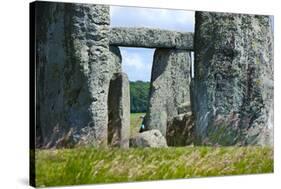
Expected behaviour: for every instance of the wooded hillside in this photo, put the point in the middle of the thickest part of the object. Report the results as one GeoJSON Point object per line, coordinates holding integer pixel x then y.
{"type": "Point", "coordinates": [139, 91]}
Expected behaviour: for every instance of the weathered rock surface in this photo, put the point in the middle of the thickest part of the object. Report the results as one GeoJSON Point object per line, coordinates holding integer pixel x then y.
{"type": "Point", "coordinates": [169, 87]}
{"type": "Point", "coordinates": [181, 130]}
{"type": "Point", "coordinates": [119, 111]}
{"type": "Point", "coordinates": [72, 74]}
{"type": "Point", "coordinates": [115, 61]}
{"type": "Point", "coordinates": [80, 87]}
{"type": "Point", "coordinates": [151, 138]}
{"type": "Point", "coordinates": [150, 38]}
{"type": "Point", "coordinates": [233, 85]}
{"type": "Point", "coordinates": [184, 108]}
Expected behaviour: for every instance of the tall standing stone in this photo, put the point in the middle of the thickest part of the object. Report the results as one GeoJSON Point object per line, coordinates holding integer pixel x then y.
{"type": "Point", "coordinates": [72, 74]}
{"type": "Point", "coordinates": [118, 102]}
{"type": "Point", "coordinates": [119, 111]}
{"type": "Point", "coordinates": [233, 84]}
{"type": "Point", "coordinates": [169, 87]}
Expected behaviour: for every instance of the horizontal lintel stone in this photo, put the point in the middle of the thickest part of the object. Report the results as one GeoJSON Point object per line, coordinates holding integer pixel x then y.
{"type": "Point", "coordinates": [150, 38]}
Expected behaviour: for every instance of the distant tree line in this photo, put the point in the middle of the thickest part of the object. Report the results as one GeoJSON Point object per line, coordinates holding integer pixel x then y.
{"type": "Point", "coordinates": [139, 91]}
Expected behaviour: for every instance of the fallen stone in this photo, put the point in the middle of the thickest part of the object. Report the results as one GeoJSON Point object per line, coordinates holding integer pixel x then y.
{"type": "Point", "coordinates": [150, 38]}
{"type": "Point", "coordinates": [151, 138]}
{"type": "Point", "coordinates": [180, 130]}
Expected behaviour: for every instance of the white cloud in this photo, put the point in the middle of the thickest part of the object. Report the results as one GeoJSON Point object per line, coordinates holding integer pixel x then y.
{"type": "Point", "coordinates": [147, 17]}
{"type": "Point", "coordinates": [137, 63]}
{"type": "Point", "coordinates": [132, 60]}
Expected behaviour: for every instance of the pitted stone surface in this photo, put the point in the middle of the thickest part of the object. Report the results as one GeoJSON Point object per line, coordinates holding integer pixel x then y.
{"type": "Point", "coordinates": [115, 61]}
{"type": "Point", "coordinates": [233, 84]}
{"type": "Point", "coordinates": [72, 74]}
{"type": "Point", "coordinates": [180, 130]}
{"type": "Point", "coordinates": [150, 38]}
{"type": "Point", "coordinates": [169, 87]}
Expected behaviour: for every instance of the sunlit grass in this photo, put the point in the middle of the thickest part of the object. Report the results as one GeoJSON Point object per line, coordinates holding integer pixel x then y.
{"type": "Point", "coordinates": [88, 165]}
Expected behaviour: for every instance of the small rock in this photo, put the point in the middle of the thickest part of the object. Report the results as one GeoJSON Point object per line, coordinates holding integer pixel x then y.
{"type": "Point", "coordinates": [151, 138]}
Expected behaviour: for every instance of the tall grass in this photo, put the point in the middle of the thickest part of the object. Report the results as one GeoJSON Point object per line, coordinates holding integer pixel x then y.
{"type": "Point", "coordinates": [88, 165]}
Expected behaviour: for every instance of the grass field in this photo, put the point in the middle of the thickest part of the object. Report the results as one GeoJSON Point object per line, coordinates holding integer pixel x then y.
{"type": "Point", "coordinates": [88, 165]}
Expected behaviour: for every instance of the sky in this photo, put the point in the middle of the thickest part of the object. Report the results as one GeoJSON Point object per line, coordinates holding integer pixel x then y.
{"type": "Point", "coordinates": [137, 62]}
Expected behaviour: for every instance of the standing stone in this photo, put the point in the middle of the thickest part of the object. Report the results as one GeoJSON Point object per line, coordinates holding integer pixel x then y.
{"type": "Point", "coordinates": [169, 87]}
{"type": "Point", "coordinates": [72, 74]}
{"type": "Point", "coordinates": [119, 111]}
{"type": "Point", "coordinates": [233, 84]}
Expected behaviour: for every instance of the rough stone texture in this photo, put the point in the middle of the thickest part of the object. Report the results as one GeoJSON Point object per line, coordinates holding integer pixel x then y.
{"type": "Point", "coordinates": [184, 108]}
{"type": "Point", "coordinates": [72, 75]}
{"type": "Point", "coordinates": [150, 38]}
{"type": "Point", "coordinates": [169, 87]}
{"type": "Point", "coordinates": [233, 85]}
{"type": "Point", "coordinates": [180, 130]}
{"type": "Point", "coordinates": [115, 61]}
{"type": "Point", "coordinates": [151, 138]}
{"type": "Point", "coordinates": [119, 111]}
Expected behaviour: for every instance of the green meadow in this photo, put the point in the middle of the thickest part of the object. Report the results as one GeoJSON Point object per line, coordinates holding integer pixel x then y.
{"type": "Point", "coordinates": [88, 166]}
{"type": "Point", "coordinates": [108, 165]}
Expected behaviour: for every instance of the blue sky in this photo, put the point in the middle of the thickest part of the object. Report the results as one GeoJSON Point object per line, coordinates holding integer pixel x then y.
{"type": "Point", "coordinates": [137, 62]}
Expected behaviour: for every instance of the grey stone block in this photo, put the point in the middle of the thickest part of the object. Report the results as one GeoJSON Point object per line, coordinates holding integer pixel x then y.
{"type": "Point", "coordinates": [150, 38]}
